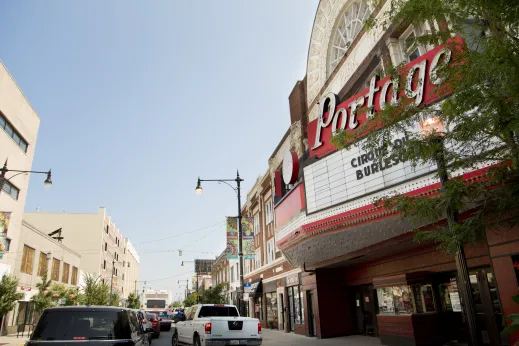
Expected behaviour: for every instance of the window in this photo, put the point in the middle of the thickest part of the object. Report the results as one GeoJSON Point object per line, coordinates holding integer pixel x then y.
{"type": "Point", "coordinates": [268, 212]}
{"type": "Point", "coordinates": [423, 298]}
{"type": "Point", "coordinates": [55, 269]}
{"type": "Point", "coordinates": [123, 276]}
{"type": "Point", "coordinates": [107, 228]}
{"type": "Point", "coordinates": [11, 190]}
{"type": "Point", "coordinates": [73, 279]}
{"type": "Point", "coordinates": [247, 266]}
{"type": "Point", "coordinates": [7, 243]}
{"type": "Point", "coordinates": [66, 272]}
{"type": "Point", "coordinates": [232, 273]}
{"type": "Point", "coordinates": [11, 132]}
{"type": "Point", "coordinates": [256, 224]}
{"type": "Point", "coordinates": [102, 324]}
{"type": "Point", "coordinates": [128, 264]}
{"type": "Point", "coordinates": [218, 311]}
{"type": "Point", "coordinates": [271, 251]}
{"type": "Point", "coordinates": [296, 305]}
{"type": "Point", "coordinates": [27, 259]}
{"type": "Point", "coordinates": [257, 259]}
{"type": "Point", "coordinates": [104, 264]}
{"type": "Point", "coordinates": [347, 29]}
{"type": "Point", "coordinates": [43, 264]}
{"type": "Point", "coordinates": [397, 300]}
{"type": "Point", "coordinates": [410, 48]}
{"type": "Point", "coordinates": [106, 246]}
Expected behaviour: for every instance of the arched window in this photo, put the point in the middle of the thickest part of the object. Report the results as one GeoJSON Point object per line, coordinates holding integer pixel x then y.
{"type": "Point", "coordinates": [349, 25]}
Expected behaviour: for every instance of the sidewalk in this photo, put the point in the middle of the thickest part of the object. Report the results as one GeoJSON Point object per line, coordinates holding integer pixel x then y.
{"type": "Point", "coordinates": [274, 337]}
{"type": "Point", "coordinates": [12, 340]}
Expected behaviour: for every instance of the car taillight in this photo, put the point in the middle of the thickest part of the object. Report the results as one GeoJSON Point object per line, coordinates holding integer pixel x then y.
{"type": "Point", "coordinates": [208, 328]}
{"type": "Point", "coordinates": [155, 323]}
{"type": "Point", "coordinates": [259, 328]}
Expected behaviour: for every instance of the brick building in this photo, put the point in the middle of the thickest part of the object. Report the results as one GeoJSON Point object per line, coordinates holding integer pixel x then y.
{"type": "Point", "coordinates": [360, 271]}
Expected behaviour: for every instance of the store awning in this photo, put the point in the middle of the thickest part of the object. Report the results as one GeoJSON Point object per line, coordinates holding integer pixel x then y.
{"type": "Point", "coordinates": [255, 288]}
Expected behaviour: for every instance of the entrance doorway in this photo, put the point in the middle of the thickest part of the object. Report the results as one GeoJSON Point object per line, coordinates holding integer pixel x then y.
{"type": "Point", "coordinates": [365, 310]}
{"type": "Point", "coordinates": [282, 307]}
{"type": "Point", "coordinates": [489, 315]}
{"type": "Point", "coordinates": [311, 313]}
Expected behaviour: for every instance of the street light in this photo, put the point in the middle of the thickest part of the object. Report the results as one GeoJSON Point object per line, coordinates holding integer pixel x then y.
{"type": "Point", "coordinates": [3, 179]}
{"type": "Point", "coordinates": [434, 128]}
{"type": "Point", "coordinates": [196, 272]}
{"type": "Point", "coordinates": [236, 189]}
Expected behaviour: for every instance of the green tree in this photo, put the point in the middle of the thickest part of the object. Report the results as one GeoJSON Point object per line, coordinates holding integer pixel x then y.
{"type": "Point", "coordinates": [189, 301]}
{"type": "Point", "coordinates": [133, 301]}
{"type": "Point", "coordinates": [59, 291]}
{"type": "Point", "coordinates": [115, 299]}
{"type": "Point", "coordinates": [8, 296]}
{"type": "Point", "coordinates": [94, 291]}
{"type": "Point", "coordinates": [176, 304]}
{"type": "Point", "coordinates": [43, 299]}
{"type": "Point", "coordinates": [480, 117]}
{"type": "Point", "coordinates": [214, 295]}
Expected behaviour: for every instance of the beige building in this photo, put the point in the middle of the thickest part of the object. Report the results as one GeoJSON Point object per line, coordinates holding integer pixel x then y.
{"type": "Point", "coordinates": [103, 248]}
{"type": "Point", "coordinates": [130, 268]}
{"type": "Point", "coordinates": [19, 125]}
{"type": "Point", "coordinates": [38, 254]}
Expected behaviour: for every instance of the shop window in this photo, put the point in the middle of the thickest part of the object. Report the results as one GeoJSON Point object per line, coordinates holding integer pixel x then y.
{"type": "Point", "coordinates": [272, 310]}
{"type": "Point", "coordinates": [396, 300]}
{"type": "Point", "coordinates": [515, 261]}
{"type": "Point", "coordinates": [295, 303]}
{"type": "Point", "coordinates": [423, 298]}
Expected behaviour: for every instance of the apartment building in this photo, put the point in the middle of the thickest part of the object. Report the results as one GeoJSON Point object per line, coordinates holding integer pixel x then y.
{"type": "Point", "coordinates": [130, 268]}
{"type": "Point", "coordinates": [102, 246]}
{"type": "Point", "coordinates": [39, 254]}
{"type": "Point", "coordinates": [19, 125]}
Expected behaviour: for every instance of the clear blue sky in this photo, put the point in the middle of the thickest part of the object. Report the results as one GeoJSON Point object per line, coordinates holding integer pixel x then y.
{"type": "Point", "coordinates": [139, 98]}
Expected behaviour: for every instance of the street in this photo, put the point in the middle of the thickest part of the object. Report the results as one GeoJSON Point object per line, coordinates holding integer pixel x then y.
{"type": "Point", "coordinates": [274, 337]}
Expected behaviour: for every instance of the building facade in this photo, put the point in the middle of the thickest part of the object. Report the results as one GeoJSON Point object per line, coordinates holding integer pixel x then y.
{"type": "Point", "coordinates": [39, 254]}
{"type": "Point", "coordinates": [19, 126]}
{"type": "Point", "coordinates": [361, 272]}
{"type": "Point", "coordinates": [104, 251]}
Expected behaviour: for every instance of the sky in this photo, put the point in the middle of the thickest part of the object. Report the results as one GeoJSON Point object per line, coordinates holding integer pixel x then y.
{"type": "Point", "coordinates": [139, 98]}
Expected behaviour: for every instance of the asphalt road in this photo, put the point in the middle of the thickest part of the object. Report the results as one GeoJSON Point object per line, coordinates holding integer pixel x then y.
{"type": "Point", "coordinates": [163, 340]}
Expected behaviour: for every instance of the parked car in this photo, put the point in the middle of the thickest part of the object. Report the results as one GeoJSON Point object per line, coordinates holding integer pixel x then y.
{"type": "Point", "coordinates": [154, 319]}
{"type": "Point", "coordinates": [95, 325]}
{"type": "Point", "coordinates": [164, 319]}
{"type": "Point", "coordinates": [147, 326]}
{"type": "Point", "coordinates": [216, 324]}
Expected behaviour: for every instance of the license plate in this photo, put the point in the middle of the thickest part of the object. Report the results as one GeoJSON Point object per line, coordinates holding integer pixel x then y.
{"type": "Point", "coordinates": [238, 342]}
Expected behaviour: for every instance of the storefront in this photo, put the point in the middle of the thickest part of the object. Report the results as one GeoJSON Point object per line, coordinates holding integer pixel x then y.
{"type": "Point", "coordinates": [255, 299]}
{"type": "Point", "coordinates": [271, 304]}
{"type": "Point", "coordinates": [296, 315]}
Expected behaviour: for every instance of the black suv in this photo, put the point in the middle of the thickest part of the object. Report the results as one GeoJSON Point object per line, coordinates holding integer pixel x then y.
{"type": "Point", "coordinates": [99, 324]}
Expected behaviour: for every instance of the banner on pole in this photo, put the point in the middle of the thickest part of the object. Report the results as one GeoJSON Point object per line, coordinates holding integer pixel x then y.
{"type": "Point", "coordinates": [232, 250]}
{"type": "Point", "coordinates": [5, 217]}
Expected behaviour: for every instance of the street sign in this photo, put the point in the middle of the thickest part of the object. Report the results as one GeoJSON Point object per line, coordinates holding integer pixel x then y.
{"type": "Point", "coordinates": [247, 287]}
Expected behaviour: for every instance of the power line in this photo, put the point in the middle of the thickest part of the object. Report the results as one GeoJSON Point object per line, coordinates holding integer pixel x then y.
{"type": "Point", "coordinates": [178, 235]}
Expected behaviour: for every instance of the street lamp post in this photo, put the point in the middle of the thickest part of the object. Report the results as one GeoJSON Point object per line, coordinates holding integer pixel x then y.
{"type": "Point", "coordinates": [197, 275]}
{"type": "Point", "coordinates": [237, 189]}
{"type": "Point", "coordinates": [3, 179]}
{"type": "Point", "coordinates": [433, 127]}
{"type": "Point", "coordinates": [187, 287]}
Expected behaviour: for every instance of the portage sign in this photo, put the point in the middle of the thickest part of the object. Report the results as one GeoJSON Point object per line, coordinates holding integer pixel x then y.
{"type": "Point", "coordinates": [420, 78]}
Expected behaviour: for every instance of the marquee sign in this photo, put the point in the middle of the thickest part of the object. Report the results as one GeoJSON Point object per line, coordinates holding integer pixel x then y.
{"type": "Point", "coordinates": [420, 78]}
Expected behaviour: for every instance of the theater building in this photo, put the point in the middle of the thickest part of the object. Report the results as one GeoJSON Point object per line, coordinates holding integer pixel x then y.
{"type": "Point", "coordinates": [361, 270]}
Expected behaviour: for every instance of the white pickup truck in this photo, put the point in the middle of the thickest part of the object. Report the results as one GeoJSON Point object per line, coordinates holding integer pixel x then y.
{"type": "Point", "coordinates": [216, 324]}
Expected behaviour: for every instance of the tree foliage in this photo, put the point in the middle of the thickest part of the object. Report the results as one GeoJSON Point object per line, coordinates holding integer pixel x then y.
{"type": "Point", "coordinates": [133, 301]}
{"type": "Point", "coordinates": [189, 301]}
{"type": "Point", "coordinates": [43, 299]}
{"type": "Point", "coordinates": [96, 292]}
{"type": "Point", "coordinates": [176, 304]}
{"type": "Point", "coordinates": [8, 294]}
{"type": "Point", "coordinates": [214, 295]}
{"type": "Point", "coordinates": [480, 116]}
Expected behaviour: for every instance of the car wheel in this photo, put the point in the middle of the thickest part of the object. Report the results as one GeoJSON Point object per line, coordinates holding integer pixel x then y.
{"type": "Point", "coordinates": [174, 340]}
{"type": "Point", "coordinates": [196, 341]}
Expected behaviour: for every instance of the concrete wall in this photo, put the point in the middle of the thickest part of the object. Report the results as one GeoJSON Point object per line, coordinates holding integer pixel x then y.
{"type": "Point", "coordinates": [81, 233]}
{"type": "Point", "coordinates": [18, 111]}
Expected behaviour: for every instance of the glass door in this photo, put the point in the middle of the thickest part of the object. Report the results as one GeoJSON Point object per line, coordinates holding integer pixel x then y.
{"type": "Point", "coordinates": [291, 310]}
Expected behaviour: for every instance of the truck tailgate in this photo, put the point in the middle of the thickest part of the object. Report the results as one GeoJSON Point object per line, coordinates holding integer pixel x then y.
{"type": "Point", "coordinates": [234, 328]}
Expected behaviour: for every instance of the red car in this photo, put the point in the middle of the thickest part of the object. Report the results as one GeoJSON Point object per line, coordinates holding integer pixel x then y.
{"type": "Point", "coordinates": [155, 324]}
